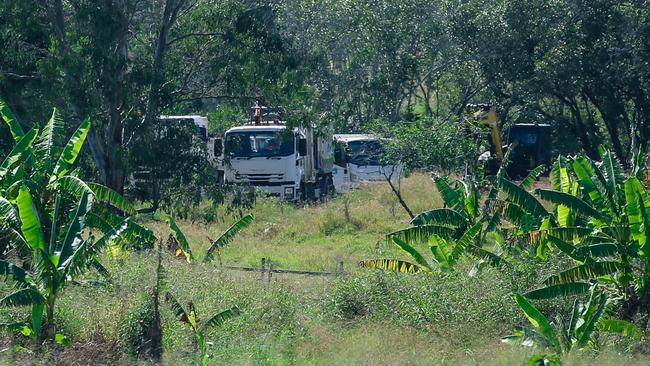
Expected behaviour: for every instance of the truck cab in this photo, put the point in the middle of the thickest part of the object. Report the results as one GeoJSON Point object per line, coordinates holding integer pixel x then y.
{"type": "Point", "coordinates": [358, 158]}
{"type": "Point", "coordinates": [290, 163]}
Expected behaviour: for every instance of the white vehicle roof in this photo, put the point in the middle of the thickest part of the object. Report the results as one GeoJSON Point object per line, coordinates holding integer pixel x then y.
{"type": "Point", "coordinates": [262, 128]}
{"type": "Point", "coordinates": [355, 137]}
{"type": "Point", "coordinates": [198, 120]}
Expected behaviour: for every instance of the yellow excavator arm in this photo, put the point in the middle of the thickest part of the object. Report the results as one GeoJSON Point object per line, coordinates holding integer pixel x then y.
{"type": "Point", "coordinates": [490, 119]}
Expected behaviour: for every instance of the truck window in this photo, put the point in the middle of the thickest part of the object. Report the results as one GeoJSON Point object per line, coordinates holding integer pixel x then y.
{"type": "Point", "coordinates": [367, 152]}
{"type": "Point", "coordinates": [250, 144]}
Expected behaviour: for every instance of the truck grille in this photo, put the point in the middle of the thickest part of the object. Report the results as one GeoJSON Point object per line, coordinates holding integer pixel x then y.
{"type": "Point", "coordinates": [259, 179]}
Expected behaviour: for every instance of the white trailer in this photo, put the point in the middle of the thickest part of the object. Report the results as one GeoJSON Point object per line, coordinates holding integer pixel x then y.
{"type": "Point", "coordinates": [359, 159]}
{"type": "Point", "coordinates": [291, 163]}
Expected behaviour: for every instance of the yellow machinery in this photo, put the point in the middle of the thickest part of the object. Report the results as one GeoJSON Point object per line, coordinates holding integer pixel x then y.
{"type": "Point", "coordinates": [530, 142]}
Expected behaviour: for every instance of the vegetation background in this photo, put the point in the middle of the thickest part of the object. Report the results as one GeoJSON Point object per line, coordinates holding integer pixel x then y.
{"type": "Point", "coordinates": [404, 69]}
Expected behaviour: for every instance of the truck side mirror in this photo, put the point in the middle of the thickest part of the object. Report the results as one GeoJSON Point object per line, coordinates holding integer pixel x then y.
{"type": "Point", "coordinates": [218, 147]}
{"type": "Point", "coordinates": [302, 147]}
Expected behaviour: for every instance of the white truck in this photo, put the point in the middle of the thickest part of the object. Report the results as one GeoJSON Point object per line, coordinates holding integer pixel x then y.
{"type": "Point", "coordinates": [359, 157]}
{"type": "Point", "coordinates": [291, 163]}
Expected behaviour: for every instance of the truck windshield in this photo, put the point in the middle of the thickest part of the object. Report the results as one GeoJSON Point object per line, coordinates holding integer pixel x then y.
{"type": "Point", "coordinates": [259, 144]}
{"type": "Point", "coordinates": [365, 152]}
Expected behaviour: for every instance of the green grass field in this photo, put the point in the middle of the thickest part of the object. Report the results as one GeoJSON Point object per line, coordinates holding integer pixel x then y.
{"type": "Point", "coordinates": [364, 317]}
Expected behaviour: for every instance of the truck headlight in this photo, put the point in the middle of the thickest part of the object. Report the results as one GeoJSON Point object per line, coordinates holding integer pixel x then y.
{"type": "Point", "coordinates": [288, 192]}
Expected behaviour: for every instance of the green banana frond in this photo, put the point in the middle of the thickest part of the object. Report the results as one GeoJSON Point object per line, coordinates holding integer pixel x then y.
{"type": "Point", "coordinates": [619, 327]}
{"type": "Point", "coordinates": [180, 237]}
{"type": "Point", "coordinates": [563, 289]}
{"type": "Point", "coordinates": [637, 209]}
{"type": "Point", "coordinates": [393, 265]}
{"type": "Point", "coordinates": [532, 177]}
{"type": "Point", "coordinates": [71, 151]}
{"type": "Point", "coordinates": [227, 236]}
{"type": "Point", "coordinates": [11, 121]}
{"type": "Point", "coordinates": [518, 217]}
{"type": "Point", "coordinates": [73, 236]}
{"type": "Point", "coordinates": [220, 318]}
{"type": "Point", "coordinates": [421, 233]}
{"type": "Point", "coordinates": [612, 171]}
{"type": "Point", "coordinates": [452, 198]}
{"type": "Point", "coordinates": [539, 322]}
{"type": "Point", "coordinates": [8, 214]}
{"type": "Point", "coordinates": [16, 273]}
{"type": "Point", "coordinates": [527, 337]}
{"type": "Point", "coordinates": [30, 224]}
{"type": "Point", "coordinates": [107, 195]}
{"type": "Point", "coordinates": [493, 259]}
{"type": "Point", "coordinates": [468, 238]}
{"type": "Point", "coordinates": [22, 297]}
{"type": "Point", "coordinates": [587, 271]}
{"type": "Point", "coordinates": [440, 216]}
{"type": "Point", "coordinates": [565, 248]}
{"type": "Point", "coordinates": [597, 250]}
{"type": "Point", "coordinates": [587, 330]}
{"type": "Point", "coordinates": [19, 151]}
{"type": "Point", "coordinates": [572, 202]}
{"type": "Point", "coordinates": [413, 253]}
{"type": "Point", "coordinates": [177, 308]}
{"type": "Point", "coordinates": [523, 199]}
{"type": "Point", "coordinates": [440, 251]}
{"type": "Point", "coordinates": [47, 142]}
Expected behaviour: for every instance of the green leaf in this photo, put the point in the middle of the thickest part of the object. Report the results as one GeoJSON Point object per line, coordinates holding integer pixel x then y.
{"type": "Point", "coordinates": [613, 173]}
{"type": "Point", "coordinates": [73, 236]}
{"type": "Point", "coordinates": [8, 214]}
{"type": "Point", "coordinates": [37, 317]}
{"type": "Point", "coordinates": [597, 250]}
{"type": "Point", "coordinates": [440, 252]}
{"type": "Point", "coordinates": [107, 195]}
{"type": "Point", "coordinates": [413, 253]}
{"type": "Point", "coordinates": [523, 199]}
{"type": "Point", "coordinates": [227, 236]}
{"type": "Point", "coordinates": [20, 150]}
{"type": "Point", "coordinates": [180, 236]}
{"type": "Point", "coordinates": [177, 308]}
{"type": "Point", "coordinates": [9, 118]}
{"type": "Point", "coordinates": [468, 238]}
{"type": "Point", "coordinates": [637, 208]}
{"type": "Point", "coordinates": [393, 265]}
{"type": "Point", "coordinates": [71, 151]}
{"type": "Point", "coordinates": [570, 201]}
{"type": "Point", "coordinates": [31, 226]}
{"type": "Point", "coordinates": [452, 198]}
{"type": "Point", "coordinates": [532, 177]}
{"type": "Point", "coordinates": [22, 297]}
{"type": "Point", "coordinates": [421, 233]}
{"type": "Point", "coordinates": [620, 327]}
{"type": "Point", "coordinates": [220, 318]}
{"type": "Point", "coordinates": [564, 289]}
{"type": "Point", "coordinates": [590, 326]}
{"type": "Point", "coordinates": [565, 248]}
{"type": "Point", "coordinates": [48, 140]}
{"type": "Point", "coordinates": [585, 271]}
{"type": "Point", "coordinates": [440, 216]}
{"type": "Point", "coordinates": [539, 321]}
{"type": "Point", "coordinates": [17, 273]}
{"type": "Point", "coordinates": [61, 339]}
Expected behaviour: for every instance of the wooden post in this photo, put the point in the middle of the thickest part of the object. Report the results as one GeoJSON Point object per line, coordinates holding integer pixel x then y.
{"type": "Point", "coordinates": [339, 268]}
{"type": "Point", "coordinates": [263, 270]}
{"type": "Point", "coordinates": [268, 283]}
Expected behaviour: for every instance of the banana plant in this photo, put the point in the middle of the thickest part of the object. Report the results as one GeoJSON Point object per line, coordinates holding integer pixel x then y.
{"type": "Point", "coordinates": [461, 228]}
{"type": "Point", "coordinates": [183, 246]}
{"type": "Point", "coordinates": [57, 259]}
{"type": "Point", "coordinates": [199, 327]}
{"type": "Point", "coordinates": [569, 334]}
{"type": "Point", "coordinates": [601, 221]}
{"type": "Point", "coordinates": [45, 209]}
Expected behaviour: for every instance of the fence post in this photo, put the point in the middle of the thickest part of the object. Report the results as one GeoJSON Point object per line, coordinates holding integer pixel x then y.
{"type": "Point", "coordinates": [268, 283]}
{"type": "Point", "coordinates": [339, 268]}
{"type": "Point", "coordinates": [263, 269]}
